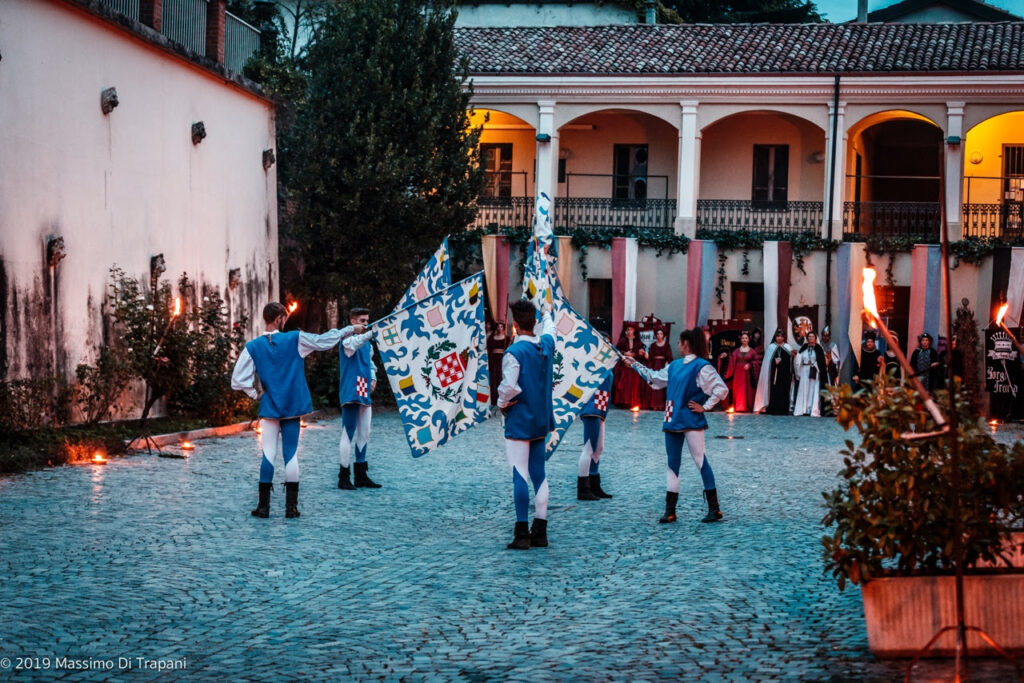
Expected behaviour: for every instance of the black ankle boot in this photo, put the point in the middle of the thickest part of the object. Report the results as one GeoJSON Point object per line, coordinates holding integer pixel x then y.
{"type": "Point", "coordinates": [595, 487]}
{"type": "Point", "coordinates": [344, 482]}
{"type": "Point", "coordinates": [291, 499]}
{"type": "Point", "coordinates": [361, 480]}
{"type": "Point", "coordinates": [714, 513]}
{"type": "Point", "coordinates": [539, 533]}
{"type": "Point", "coordinates": [670, 507]}
{"type": "Point", "coordinates": [583, 491]}
{"type": "Point", "coordinates": [263, 506]}
{"type": "Point", "coordinates": [522, 537]}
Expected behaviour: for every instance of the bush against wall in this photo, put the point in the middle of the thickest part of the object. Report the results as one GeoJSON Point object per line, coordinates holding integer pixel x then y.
{"type": "Point", "coordinates": [101, 386]}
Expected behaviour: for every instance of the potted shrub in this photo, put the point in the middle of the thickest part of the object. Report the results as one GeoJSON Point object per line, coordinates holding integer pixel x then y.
{"type": "Point", "coordinates": [890, 523]}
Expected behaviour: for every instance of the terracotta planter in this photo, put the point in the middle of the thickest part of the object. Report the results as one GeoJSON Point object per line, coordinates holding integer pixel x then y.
{"type": "Point", "coordinates": [903, 613]}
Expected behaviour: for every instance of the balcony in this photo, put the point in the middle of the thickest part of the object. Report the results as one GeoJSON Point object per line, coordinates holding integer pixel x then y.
{"type": "Point", "coordinates": [771, 218]}
{"type": "Point", "coordinates": [572, 213]}
{"type": "Point", "coordinates": [241, 42]}
{"type": "Point", "coordinates": [892, 219]}
{"type": "Point", "coordinates": [503, 212]}
{"type": "Point", "coordinates": [1004, 220]}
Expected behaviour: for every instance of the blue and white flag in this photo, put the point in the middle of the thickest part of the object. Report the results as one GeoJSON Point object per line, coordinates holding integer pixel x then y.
{"type": "Point", "coordinates": [542, 229]}
{"type": "Point", "coordinates": [435, 354]}
{"type": "Point", "coordinates": [583, 358]}
{"type": "Point", "coordinates": [434, 277]}
{"type": "Point", "coordinates": [537, 276]}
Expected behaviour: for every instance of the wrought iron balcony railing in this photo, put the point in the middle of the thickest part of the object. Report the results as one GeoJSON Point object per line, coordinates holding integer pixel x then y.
{"type": "Point", "coordinates": [767, 217]}
{"type": "Point", "coordinates": [599, 212]}
{"type": "Point", "coordinates": [891, 218]}
{"type": "Point", "coordinates": [1004, 220]}
{"type": "Point", "coordinates": [503, 212]}
{"type": "Point", "coordinates": [129, 8]}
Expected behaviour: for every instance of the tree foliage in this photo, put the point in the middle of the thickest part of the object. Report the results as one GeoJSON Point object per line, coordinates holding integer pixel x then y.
{"type": "Point", "coordinates": [746, 11]}
{"type": "Point", "coordinates": [386, 163]}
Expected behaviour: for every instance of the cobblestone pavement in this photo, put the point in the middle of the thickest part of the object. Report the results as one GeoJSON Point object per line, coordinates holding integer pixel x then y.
{"type": "Point", "coordinates": [159, 559]}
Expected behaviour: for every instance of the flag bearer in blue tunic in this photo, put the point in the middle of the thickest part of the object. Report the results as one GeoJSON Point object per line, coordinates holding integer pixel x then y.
{"type": "Point", "coordinates": [358, 380]}
{"type": "Point", "coordinates": [693, 387]}
{"type": "Point", "coordinates": [276, 357]}
{"type": "Point", "coordinates": [524, 396]}
{"type": "Point", "coordinates": [588, 483]}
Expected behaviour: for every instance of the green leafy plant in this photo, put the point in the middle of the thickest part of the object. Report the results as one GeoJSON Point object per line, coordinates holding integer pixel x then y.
{"type": "Point", "coordinates": [155, 345]}
{"type": "Point", "coordinates": [892, 511]}
{"type": "Point", "coordinates": [213, 345]}
{"type": "Point", "coordinates": [100, 386]}
{"type": "Point", "coordinates": [31, 404]}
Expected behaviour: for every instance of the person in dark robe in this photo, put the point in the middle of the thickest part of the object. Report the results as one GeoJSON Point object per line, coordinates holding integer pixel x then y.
{"type": "Point", "coordinates": [757, 341]}
{"type": "Point", "coordinates": [744, 367]}
{"type": "Point", "coordinates": [832, 359]}
{"type": "Point", "coordinates": [497, 342]}
{"type": "Point", "coordinates": [870, 362]}
{"type": "Point", "coordinates": [660, 355]}
{"type": "Point", "coordinates": [628, 385]}
{"type": "Point", "coordinates": [927, 363]}
{"type": "Point", "coordinates": [775, 385]}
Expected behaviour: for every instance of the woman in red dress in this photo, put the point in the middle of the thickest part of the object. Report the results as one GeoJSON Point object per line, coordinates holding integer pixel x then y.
{"type": "Point", "coordinates": [744, 368]}
{"type": "Point", "coordinates": [660, 354]}
{"type": "Point", "coordinates": [628, 384]}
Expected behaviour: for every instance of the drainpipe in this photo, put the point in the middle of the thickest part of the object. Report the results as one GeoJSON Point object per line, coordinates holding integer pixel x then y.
{"type": "Point", "coordinates": [831, 199]}
{"type": "Point", "coordinates": [650, 12]}
{"type": "Point", "coordinates": [862, 11]}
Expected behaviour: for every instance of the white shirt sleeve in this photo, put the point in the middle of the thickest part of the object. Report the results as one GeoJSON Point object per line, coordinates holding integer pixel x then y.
{"type": "Point", "coordinates": [547, 325]}
{"type": "Point", "coordinates": [658, 379]}
{"type": "Point", "coordinates": [712, 384]}
{"type": "Point", "coordinates": [308, 343]}
{"type": "Point", "coordinates": [509, 387]}
{"type": "Point", "coordinates": [355, 342]}
{"type": "Point", "coordinates": [243, 378]}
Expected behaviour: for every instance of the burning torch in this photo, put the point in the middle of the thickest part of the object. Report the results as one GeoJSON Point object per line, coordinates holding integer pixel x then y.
{"type": "Point", "coordinates": [1001, 324]}
{"type": "Point", "coordinates": [174, 314]}
{"type": "Point", "coordinates": [871, 309]}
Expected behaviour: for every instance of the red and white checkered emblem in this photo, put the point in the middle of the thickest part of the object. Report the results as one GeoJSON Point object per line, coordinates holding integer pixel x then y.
{"type": "Point", "coordinates": [449, 369]}
{"type": "Point", "coordinates": [361, 387]}
{"type": "Point", "coordinates": [601, 400]}
{"type": "Point", "coordinates": [668, 411]}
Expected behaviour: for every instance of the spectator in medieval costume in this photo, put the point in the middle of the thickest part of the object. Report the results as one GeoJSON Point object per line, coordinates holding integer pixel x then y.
{"type": "Point", "coordinates": [774, 394]}
{"type": "Point", "coordinates": [810, 373]}
{"type": "Point", "coordinates": [628, 385]}
{"type": "Point", "coordinates": [892, 363]}
{"type": "Point", "coordinates": [660, 355]}
{"type": "Point", "coordinates": [744, 367]}
{"type": "Point", "coordinates": [832, 360]}
{"type": "Point", "coordinates": [927, 363]}
{"type": "Point", "coordinates": [870, 362]}
{"type": "Point", "coordinates": [497, 342]}
{"type": "Point", "coordinates": [757, 341]}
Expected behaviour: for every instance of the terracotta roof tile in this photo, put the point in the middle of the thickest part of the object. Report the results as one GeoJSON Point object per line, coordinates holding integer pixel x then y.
{"type": "Point", "coordinates": [744, 48]}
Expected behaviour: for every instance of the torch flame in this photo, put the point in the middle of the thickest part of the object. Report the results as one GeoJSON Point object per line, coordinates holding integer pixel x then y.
{"type": "Point", "coordinates": [1001, 313]}
{"type": "Point", "coordinates": [869, 295]}
{"type": "Point", "coordinates": [177, 307]}
{"type": "Point", "coordinates": [292, 307]}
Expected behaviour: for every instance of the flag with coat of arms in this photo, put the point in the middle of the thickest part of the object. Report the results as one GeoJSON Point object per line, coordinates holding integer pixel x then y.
{"type": "Point", "coordinates": [435, 355]}
{"type": "Point", "coordinates": [435, 276]}
{"type": "Point", "coordinates": [583, 356]}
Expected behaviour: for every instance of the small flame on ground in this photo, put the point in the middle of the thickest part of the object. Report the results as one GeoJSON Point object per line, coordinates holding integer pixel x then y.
{"type": "Point", "coordinates": [187, 446]}
{"type": "Point", "coordinates": [177, 307]}
{"type": "Point", "coordinates": [635, 409]}
{"type": "Point", "coordinates": [731, 410]}
{"type": "Point", "coordinates": [1001, 313]}
{"type": "Point", "coordinates": [868, 290]}
{"type": "Point", "coordinates": [259, 430]}
{"type": "Point", "coordinates": [98, 458]}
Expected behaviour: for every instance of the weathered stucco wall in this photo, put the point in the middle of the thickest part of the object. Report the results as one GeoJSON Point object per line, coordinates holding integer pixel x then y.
{"type": "Point", "coordinates": [122, 187]}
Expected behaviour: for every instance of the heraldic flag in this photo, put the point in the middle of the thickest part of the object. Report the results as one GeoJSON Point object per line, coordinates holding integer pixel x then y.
{"type": "Point", "coordinates": [434, 277]}
{"type": "Point", "coordinates": [583, 357]}
{"type": "Point", "coordinates": [435, 354]}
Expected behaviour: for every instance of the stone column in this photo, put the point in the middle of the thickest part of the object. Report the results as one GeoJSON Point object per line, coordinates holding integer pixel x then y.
{"type": "Point", "coordinates": [953, 171]}
{"type": "Point", "coordinates": [837, 122]}
{"type": "Point", "coordinates": [687, 170]}
{"type": "Point", "coordinates": [547, 151]}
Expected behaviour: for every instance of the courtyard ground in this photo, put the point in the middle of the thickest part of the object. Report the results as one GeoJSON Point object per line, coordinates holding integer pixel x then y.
{"type": "Point", "coordinates": [157, 561]}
